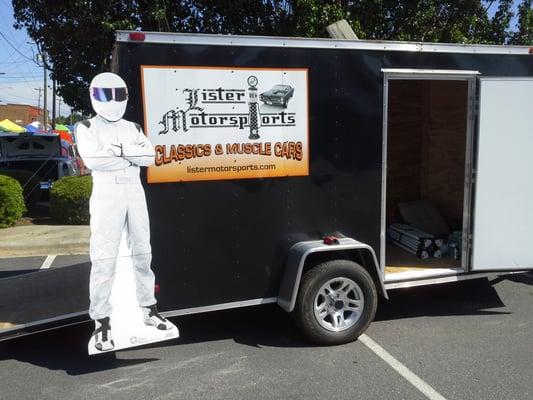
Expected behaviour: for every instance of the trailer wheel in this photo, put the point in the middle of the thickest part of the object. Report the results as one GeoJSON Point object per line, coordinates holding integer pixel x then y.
{"type": "Point", "coordinates": [336, 302]}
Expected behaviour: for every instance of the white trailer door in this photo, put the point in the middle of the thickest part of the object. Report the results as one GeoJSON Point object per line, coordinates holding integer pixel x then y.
{"type": "Point", "coordinates": [503, 200]}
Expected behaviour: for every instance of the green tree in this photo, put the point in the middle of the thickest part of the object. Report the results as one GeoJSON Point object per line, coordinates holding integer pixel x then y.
{"type": "Point", "coordinates": [524, 33]}
{"type": "Point", "coordinates": [70, 119]}
{"type": "Point", "coordinates": [498, 30]}
{"type": "Point", "coordinates": [78, 35]}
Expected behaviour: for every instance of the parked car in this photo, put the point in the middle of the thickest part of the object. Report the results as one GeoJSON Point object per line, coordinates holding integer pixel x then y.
{"type": "Point", "coordinates": [279, 95]}
{"type": "Point", "coordinates": [46, 155]}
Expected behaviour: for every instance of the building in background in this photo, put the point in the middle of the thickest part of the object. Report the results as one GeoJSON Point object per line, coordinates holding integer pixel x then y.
{"type": "Point", "coordinates": [21, 114]}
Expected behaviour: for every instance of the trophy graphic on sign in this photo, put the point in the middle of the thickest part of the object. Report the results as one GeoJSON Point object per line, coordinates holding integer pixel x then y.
{"type": "Point", "coordinates": [253, 106]}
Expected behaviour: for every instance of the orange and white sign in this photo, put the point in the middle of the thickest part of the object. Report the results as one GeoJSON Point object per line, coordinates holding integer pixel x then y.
{"type": "Point", "coordinates": [212, 123]}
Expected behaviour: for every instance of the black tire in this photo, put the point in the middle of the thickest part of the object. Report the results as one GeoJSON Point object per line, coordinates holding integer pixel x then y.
{"type": "Point", "coordinates": [310, 285]}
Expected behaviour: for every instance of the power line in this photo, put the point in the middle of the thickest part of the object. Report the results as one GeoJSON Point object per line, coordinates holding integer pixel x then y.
{"type": "Point", "coordinates": [30, 70]}
{"type": "Point", "coordinates": [20, 76]}
{"type": "Point", "coordinates": [15, 67]}
{"type": "Point", "coordinates": [16, 62]}
{"type": "Point", "coordinates": [17, 96]}
{"type": "Point", "coordinates": [18, 73]}
{"type": "Point", "coordinates": [14, 48]}
{"type": "Point", "coordinates": [23, 62]}
{"type": "Point", "coordinates": [19, 80]}
{"type": "Point", "coordinates": [10, 56]}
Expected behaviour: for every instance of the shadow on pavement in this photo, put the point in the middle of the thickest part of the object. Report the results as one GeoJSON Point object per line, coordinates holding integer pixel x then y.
{"type": "Point", "coordinates": [269, 326]}
{"type": "Point", "coordinates": [63, 349]}
{"type": "Point", "coordinates": [475, 297]}
{"type": "Point", "coordinates": [525, 278]}
{"type": "Point", "coordinates": [66, 348]}
{"type": "Point", "coordinates": [44, 294]}
{"type": "Point", "coordinates": [259, 326]}
{"type": "Point", "coordinates": [15, 272]}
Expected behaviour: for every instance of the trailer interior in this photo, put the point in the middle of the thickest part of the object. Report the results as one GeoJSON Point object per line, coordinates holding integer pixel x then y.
{"type": "Point", "coordinates": [427, 136]}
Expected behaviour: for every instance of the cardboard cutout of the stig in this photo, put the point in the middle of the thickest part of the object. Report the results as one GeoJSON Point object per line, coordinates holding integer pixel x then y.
{"type": "Point", "coordinates": [114, 149]}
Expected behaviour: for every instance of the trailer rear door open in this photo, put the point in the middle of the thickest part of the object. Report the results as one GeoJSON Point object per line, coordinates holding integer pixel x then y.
{"type": "Point", "coordinates": [503, 203]}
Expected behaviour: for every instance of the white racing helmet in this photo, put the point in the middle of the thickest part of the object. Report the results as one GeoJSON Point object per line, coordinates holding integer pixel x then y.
{"type": "Point", "coordinates": [109, 96]}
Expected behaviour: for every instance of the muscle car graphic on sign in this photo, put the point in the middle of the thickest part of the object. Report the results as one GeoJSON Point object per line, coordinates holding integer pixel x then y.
{"type": "Point", "coordinates": [279, 95]}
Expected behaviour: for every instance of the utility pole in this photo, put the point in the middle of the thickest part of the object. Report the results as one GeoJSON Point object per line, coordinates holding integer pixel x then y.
{"type": "Point", "coordinates": [54, 104]}
{"type": "Point", "coordinates": [42, 58]}
{"type": "Point", "coordinates": [59, 106]}
{"type": "Point", "coordinates": [39, 101]}
{"type": "Point", "coordinates": [45, 117]}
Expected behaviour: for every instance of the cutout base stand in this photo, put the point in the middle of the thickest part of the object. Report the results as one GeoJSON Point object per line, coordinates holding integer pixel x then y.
{"type": "Point", "coordinates": [127, 327]}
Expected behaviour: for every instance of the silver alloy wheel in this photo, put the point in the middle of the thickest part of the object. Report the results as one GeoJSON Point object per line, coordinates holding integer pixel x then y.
{"type": "Point", "coordinates": [339, 304]}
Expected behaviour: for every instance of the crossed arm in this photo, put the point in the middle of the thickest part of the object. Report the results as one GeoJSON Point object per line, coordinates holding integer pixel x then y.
{"type": "Point", "coordinates": [112, 157]}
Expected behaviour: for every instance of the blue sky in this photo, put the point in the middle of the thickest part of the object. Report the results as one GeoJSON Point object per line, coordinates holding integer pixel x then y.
{"type": "Point", "coordinates": [21, 75]}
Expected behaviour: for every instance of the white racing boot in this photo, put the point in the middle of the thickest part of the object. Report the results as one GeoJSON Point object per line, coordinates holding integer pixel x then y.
{"type": "Point", "coordinates": [102, 335]}
{"type": "Point", "coordinates": [153, 318]}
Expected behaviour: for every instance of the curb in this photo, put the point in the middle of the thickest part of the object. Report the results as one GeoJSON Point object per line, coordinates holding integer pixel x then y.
{"type": "Point", "coordinates": [34, 251]}
{"type": "Point", "coordinates": [42, 240]}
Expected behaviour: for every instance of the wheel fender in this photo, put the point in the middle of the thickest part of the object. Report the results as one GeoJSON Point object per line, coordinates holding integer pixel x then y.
{"type": "Point", "coordinates": [299, 252]}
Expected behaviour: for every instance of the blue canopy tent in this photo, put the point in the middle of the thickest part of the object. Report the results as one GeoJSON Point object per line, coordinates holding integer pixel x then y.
{"type": "Point", "coordinates": [32, 129]}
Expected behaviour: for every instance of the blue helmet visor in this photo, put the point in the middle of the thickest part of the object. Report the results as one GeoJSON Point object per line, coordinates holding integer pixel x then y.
{"type": "Point", "coordinates": [107, 94]}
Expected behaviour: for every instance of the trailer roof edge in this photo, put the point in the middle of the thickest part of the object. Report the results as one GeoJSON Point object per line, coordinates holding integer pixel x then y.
{"type": "Point", "coordinates": [273, 41]}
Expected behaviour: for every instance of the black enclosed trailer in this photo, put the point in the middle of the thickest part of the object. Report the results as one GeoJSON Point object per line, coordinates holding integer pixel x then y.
{"type": "Point", "coordinates": [281, 163]}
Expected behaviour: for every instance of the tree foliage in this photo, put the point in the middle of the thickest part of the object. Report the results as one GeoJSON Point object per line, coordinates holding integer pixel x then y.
{"type": "Point", "coordinates": [12, 205]}
{"type": "Point", "coordinates": [78, 35]}
{"type": "Point", "coordinates": [69, 199]}
{"type": "Point", "coordinates": [524, 33]}
{"type": "Point", "coordinates": [70, 119]}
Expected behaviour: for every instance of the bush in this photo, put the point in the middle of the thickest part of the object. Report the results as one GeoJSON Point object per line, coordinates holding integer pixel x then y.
{"type": "Point", "coordinates": [11, 201]}
{"type": "Point", "coordinates": [69, 199]}
{"type": "Point", "coordinates": [29, 182]}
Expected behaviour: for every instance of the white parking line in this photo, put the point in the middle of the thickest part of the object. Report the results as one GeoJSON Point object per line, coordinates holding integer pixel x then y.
{"type": "Point", "coordinates": [48, 262]}
{"type": "Point", "coordinates": [413, 379]}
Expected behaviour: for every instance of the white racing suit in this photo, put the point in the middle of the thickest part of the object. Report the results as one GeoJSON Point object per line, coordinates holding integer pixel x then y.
{"type": "Point", "coordinates": [114, 151]}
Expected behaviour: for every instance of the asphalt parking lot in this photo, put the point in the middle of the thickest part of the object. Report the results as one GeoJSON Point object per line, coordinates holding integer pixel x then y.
{"type": "Point", "coordinates": [470, 340]}
{"type": "Point", "coordinates": [22, 265]}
